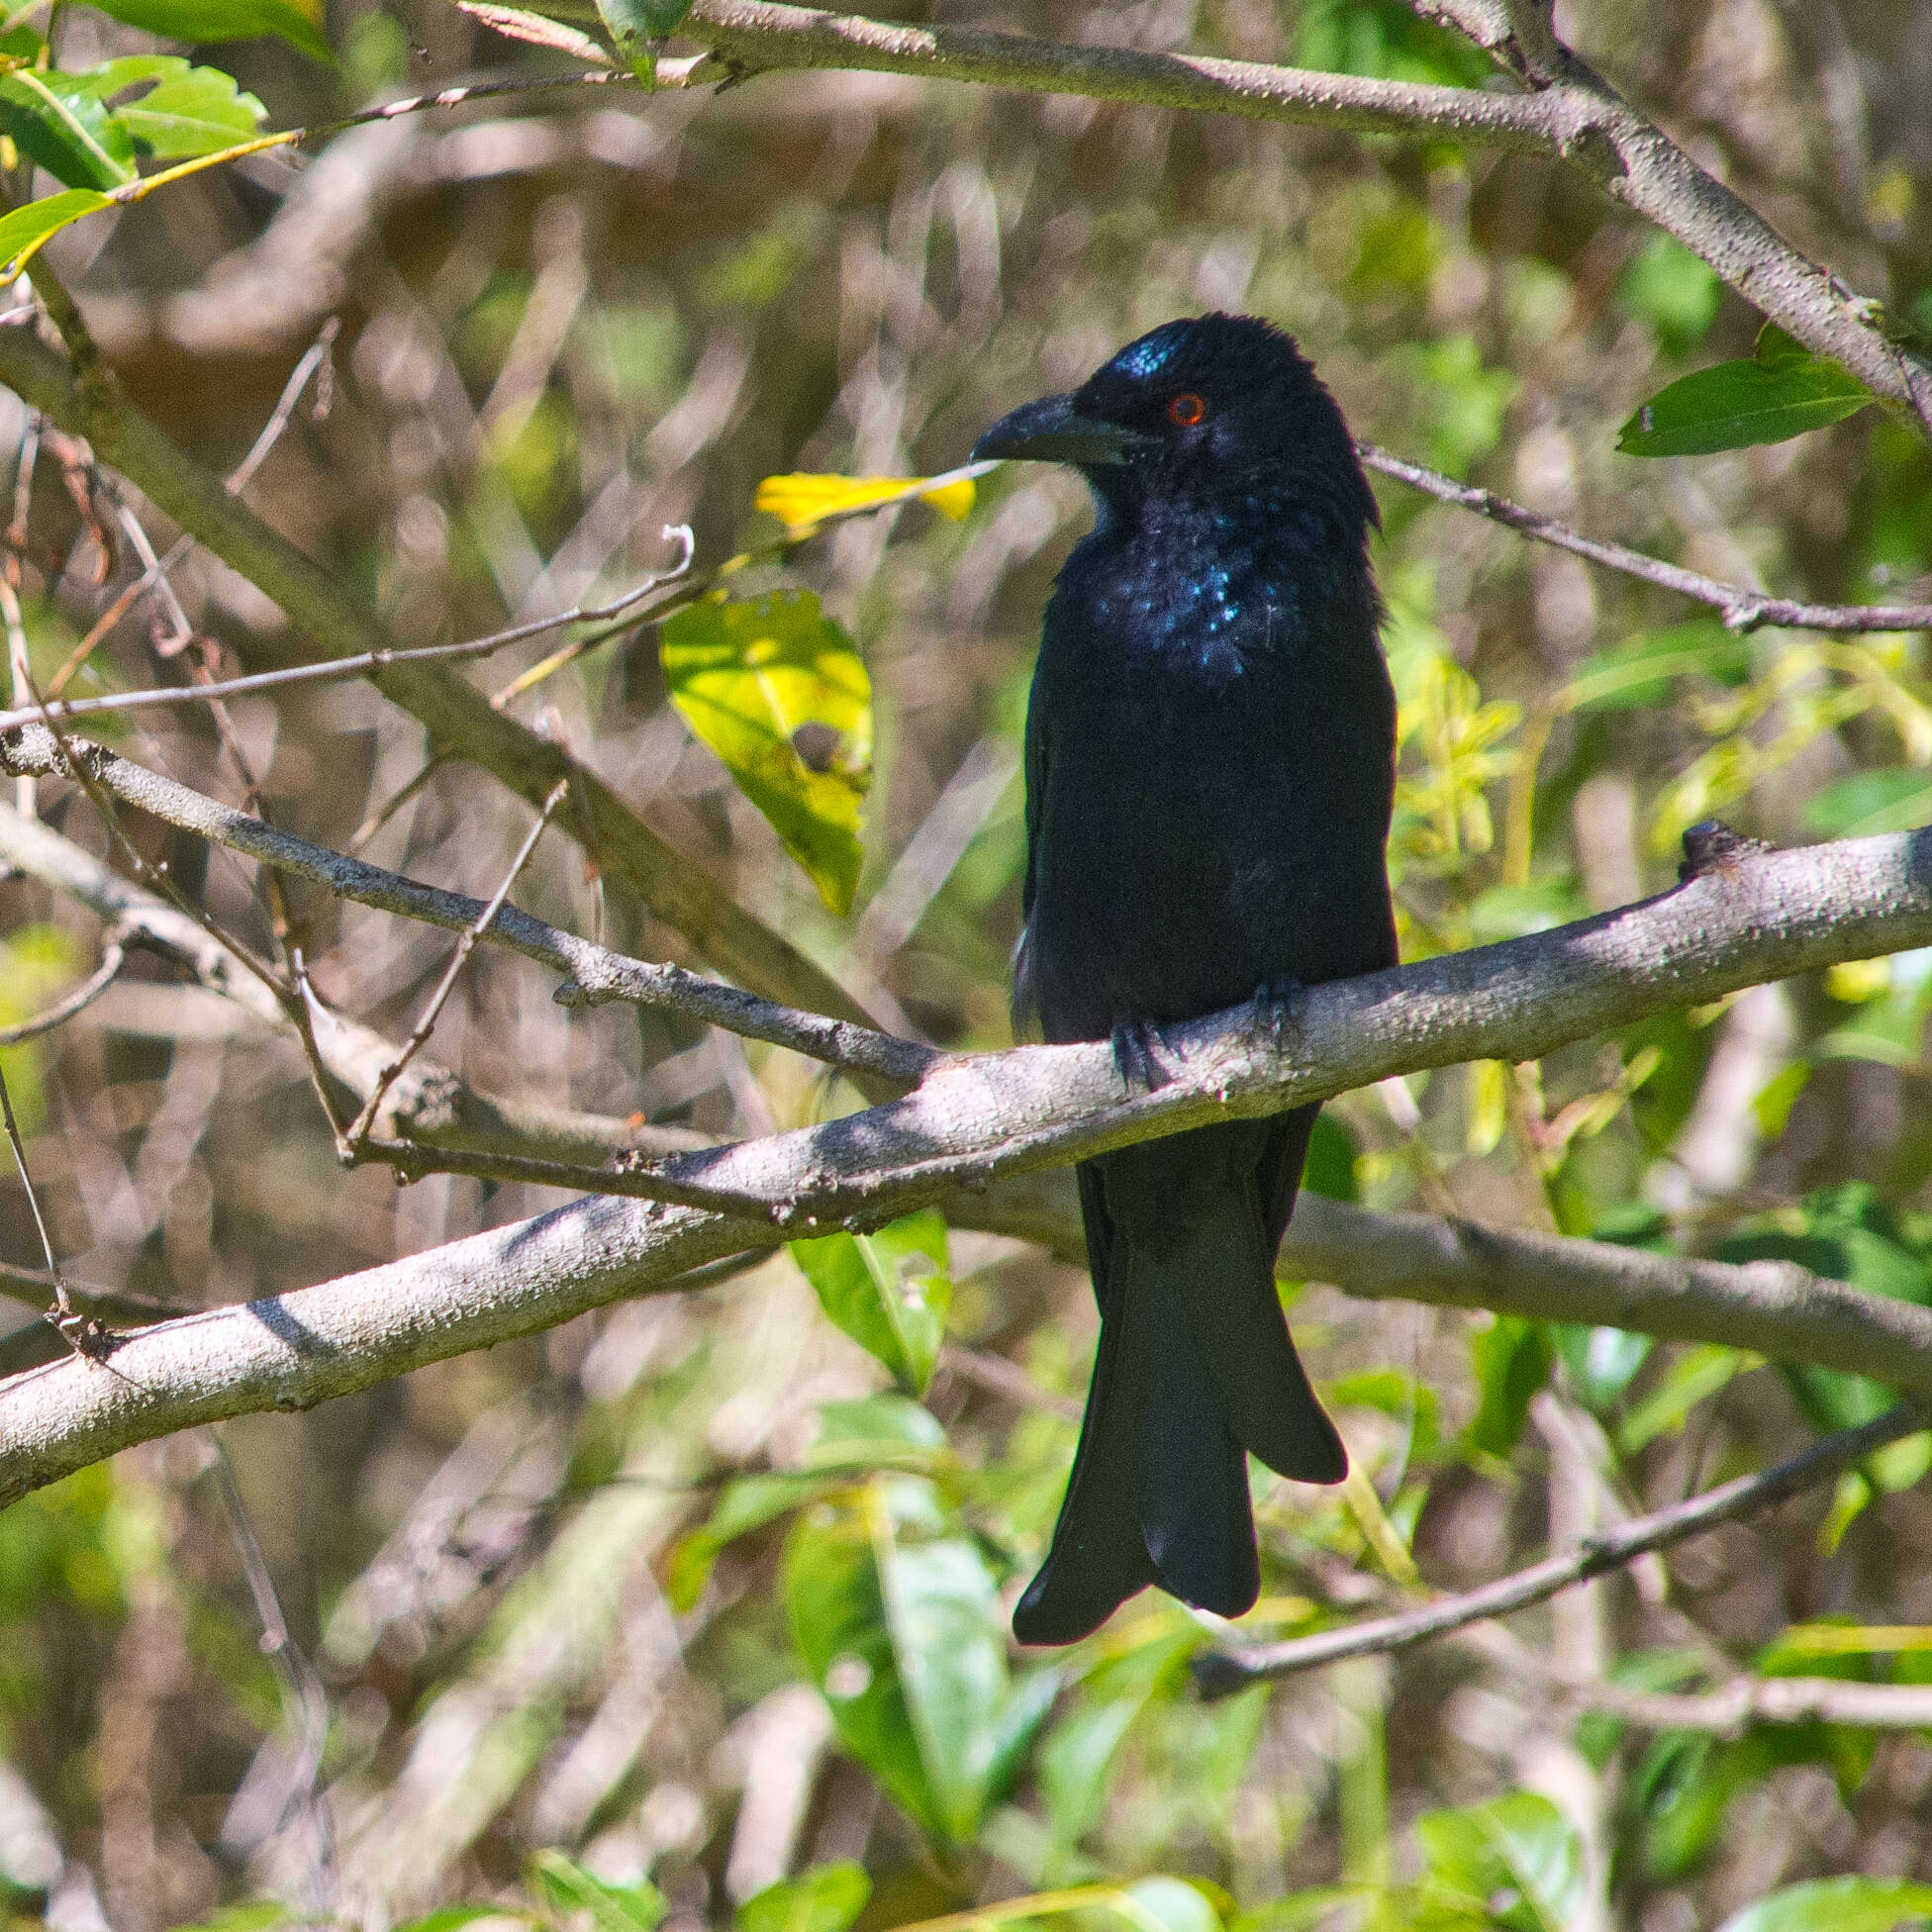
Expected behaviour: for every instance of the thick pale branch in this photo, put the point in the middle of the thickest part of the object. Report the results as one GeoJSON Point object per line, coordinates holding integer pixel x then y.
{"type": "Point", "coordinates": [1769, 913]}
{"type": "Point", "coordinates": [1757, 916]}
{"type": "Point", "coordinates": [1569, 113]}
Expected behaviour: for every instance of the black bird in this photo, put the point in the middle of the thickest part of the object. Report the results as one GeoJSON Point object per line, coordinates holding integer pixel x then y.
{"type": "Point", "coordinates": [1209, 764]}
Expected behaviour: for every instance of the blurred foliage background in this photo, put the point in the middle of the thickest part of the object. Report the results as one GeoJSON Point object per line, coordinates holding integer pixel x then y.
{"type": "Point", "coordinates": [688, 1600]}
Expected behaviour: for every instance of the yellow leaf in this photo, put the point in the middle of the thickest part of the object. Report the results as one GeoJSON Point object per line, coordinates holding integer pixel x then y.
{"type": "Point", "coordinates": [776, 689]}
{"type": "Point", "coordinates": [802, 502]}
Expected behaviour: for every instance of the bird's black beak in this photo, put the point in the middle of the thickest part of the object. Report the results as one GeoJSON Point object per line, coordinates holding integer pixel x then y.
{"type": "Point", "coordinates": [1051, 431]}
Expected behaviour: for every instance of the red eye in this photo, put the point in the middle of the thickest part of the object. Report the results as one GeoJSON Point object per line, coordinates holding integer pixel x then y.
{"type": "Point", "coordinates": [1187, 409]}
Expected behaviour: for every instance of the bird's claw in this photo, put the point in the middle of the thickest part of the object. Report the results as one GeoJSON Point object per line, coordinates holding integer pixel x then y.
{"type": "Point", "coordinates": [1137, 1051]}
{"type": "Point", "coordinates": [1277, 1022]}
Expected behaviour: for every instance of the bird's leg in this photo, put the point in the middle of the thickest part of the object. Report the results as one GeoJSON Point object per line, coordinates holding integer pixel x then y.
{"type": "Point", "coordinates": [1277, 1024]}
{"type": "Point", "coordinates": [1137, 1050]}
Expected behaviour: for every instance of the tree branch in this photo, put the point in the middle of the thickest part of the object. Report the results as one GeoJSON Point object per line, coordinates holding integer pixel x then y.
{"type": "Point", "coordinates": [1220, 1673]}
{"type": "Point", "coordinates": [1761, 916]}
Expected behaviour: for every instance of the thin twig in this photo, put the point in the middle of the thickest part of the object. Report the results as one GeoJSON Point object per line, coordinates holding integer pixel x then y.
{"type": "Point", "coordinates": [237, 480]}
{"type": "Point", "coordinates": [439, 1109]}
{"type": "Point", "coordinates": [1742, 608]}
{"type": "Point", "coordinates": [313, 358]}
{"type": "Point", "coordinates": [1223, 1671]}
{"type": "Point", "coordinates": [305, 1699]}
{"type": "Point", "coordinates": [331, 669]}
{"type": "Point", "coordinates": [466, 944]}
{"type": "Point", "coordinates": [595, 973]}
{"type": "Point", "coordinates": [625, 1181]}
{"type": "Point", "coordinates": [154, 569]}
{"type": "Point", "coordinates": [395, 801]}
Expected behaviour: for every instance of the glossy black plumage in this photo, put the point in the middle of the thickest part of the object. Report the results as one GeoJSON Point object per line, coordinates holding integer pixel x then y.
{"type": "Point", "coordinates": [1210, 763]}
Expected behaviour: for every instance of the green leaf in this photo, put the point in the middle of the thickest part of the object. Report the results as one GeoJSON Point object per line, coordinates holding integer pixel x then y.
{"type": "Point", "coordinates": [1637, 676]}
{"type": "Point", "coordinates": [1836, 1905]}
{"type": "Point", "coordinates": [452, 1918]}
{"type": "Point", "coordinates": [1512, 1359]}
{"type": "Point", "coordinates": [1330, 1164]}
{"type": "Point", "coordinates": [744, 1504]}
{"type": "Point", "coordinates": [1869, 802]}
{"type": "Point", "coordinates": [1162, 1904]}
{"type": "Point", "coordinates": [902, 1632]}
{"type": "Point", "coordinates": [874, 1430]}
{"type": "Point", "coordinates": [943, 1610]}
{"type": "Point", "coordinates": [1672, 290]}
{"type": "Point", "coordinates": [1780, 392]}
{"type": "Point", "coordinates": [223, 20]}
{"type": "Point", "coordinates": [825, 1899]}
{"type": "Point", "coordinates": [776, 689]}
{"type": "Point", "coordinates": [68, 131]}
{"type": "Point", "coordinates": [566, 1888]}
{"type": "Point", "coordinates": [1692, 1377]}
{"type": "Point", "coordinates": [889, 1290]}
{"type": "Point", "coordinates": [837, 1614]}
{"type": "Point", "coordinates": [1846, 1233]}
{"type": "Point", "coordinates": [634, 24]}
{"type": "Point", "coordinates": [255, 1916]}
{"type": "Point", "coordinates": [189, 110]}
{"type": "Point", "coordinates": [25, 227]}
{"type": "Point", "coordinates": [1519, 1843]}
{"type": "Point", "coordinates": [1601, 1363]}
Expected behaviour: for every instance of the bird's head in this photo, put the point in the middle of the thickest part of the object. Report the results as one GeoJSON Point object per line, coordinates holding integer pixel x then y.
{"type": "Point", "coordinates": [1201, 408]}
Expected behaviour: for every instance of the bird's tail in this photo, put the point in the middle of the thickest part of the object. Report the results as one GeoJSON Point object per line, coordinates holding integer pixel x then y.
{"type": "Point", "coordinates": [1195, 1368]}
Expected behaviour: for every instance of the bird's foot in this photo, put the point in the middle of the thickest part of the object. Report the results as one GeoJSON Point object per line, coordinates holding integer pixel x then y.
{"type": "Point", "coordinates": [1138, 1056]}
{"type": "Point", "coordinates": [1277, 1021]}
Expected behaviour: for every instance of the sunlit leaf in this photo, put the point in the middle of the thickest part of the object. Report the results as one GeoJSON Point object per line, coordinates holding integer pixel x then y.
{"type": "Point", "coordinates": [189, 110]}
{"type": "Point", "coordinates": [1164, 1905]}
{"type": "Point", "coordinates": [569, 1888]}
{"type": "Point", "coordinates": [743, 1505]}
{"type": "Point", "coordinates": [803, 501]}
{"type": "Point", "coordinates": [1512, 1358]}
{"type": "Point", "coordinates": [1520, 1842]}
{"type": "Point", "coordinates": [1851, 1904]}
{"type": "Point", "coordinates": [1637, 675]}
{"type": "Point", "coordinates": [223, 20]}
{"type": "Point", "coordinates": [1777, 393]}
{"type": "Point", "coordinates": [452, 1918]}
{"type": "Point", "coordinates": [634, 24]}
{"type": "Point", "coordinates": [948, 1636]}
{"type": "Point", "coordinates": [256, 1915]}
{"type": "Point", "coordinates": [837, 1614]}
{"type": "Point", "coordinates": [889, 1290]}
{"type": "Point", "coordinates": [901, 1628]}
{"type": "Point", "coordinates": [1897, 799]}
{"type": "Point", "coordinates": [776, 689]}
{"type": "Point", "coordinates": [1693, 1376]}
{"type": "Point", "coordinates": [825, 1899]}
{"type": "Point", "coordinates": [1600, 1362]}
{"type": "Point", "coordinates": [69, 132]}
{"type": "Point", "coordinates": [875, 1430]}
